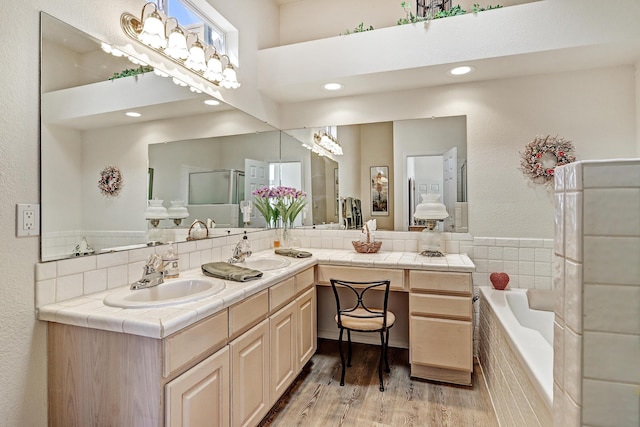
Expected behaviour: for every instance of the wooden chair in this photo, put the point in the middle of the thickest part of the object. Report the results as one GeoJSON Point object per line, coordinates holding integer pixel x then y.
{"type": "Point", "coordinates": [361, 318]}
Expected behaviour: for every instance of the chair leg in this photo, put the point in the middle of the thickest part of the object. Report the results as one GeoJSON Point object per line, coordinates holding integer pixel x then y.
{"type": "Point", "coordinates": [341, 357]}
{"type": "Point", "coordinates": [382, 357]}
{"type": "Point", "coordinates": [386, 352]}
{"type": "Point", "coordinates": [349, 353]}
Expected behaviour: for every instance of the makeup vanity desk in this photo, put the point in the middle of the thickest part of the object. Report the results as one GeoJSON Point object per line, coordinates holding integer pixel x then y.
{"type": "Point", "coordinates": [440, 311]}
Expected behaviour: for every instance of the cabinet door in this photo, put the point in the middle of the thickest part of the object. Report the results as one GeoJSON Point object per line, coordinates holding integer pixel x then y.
{"type": "Point", "coordinates": [284, 358]}
{"type": "Point", "coordinates": [250, 373]}
{"type": "Point", "coordinates": [307, 328]}
{"type": "Point", "coordinates": [441, 343]}
{"type": "Point", "coordinates": [200, 396]}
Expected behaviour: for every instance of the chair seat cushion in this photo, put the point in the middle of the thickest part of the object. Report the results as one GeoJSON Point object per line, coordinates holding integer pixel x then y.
{"type": "Point", "coordinates": [357, 320]}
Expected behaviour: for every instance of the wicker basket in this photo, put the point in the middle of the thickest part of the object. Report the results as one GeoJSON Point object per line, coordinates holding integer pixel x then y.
{"type": "Point", "coordinates": [366, 247]}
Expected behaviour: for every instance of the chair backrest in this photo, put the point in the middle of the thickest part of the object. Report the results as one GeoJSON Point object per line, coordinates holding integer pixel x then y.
{"type": "Point", "coordinates": [359, 289]}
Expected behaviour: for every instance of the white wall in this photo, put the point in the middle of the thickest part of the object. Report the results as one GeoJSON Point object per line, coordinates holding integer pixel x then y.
{"type": "Point", "coordinates": [593, 108]}
{"type": "Point", "coordinates": [23, 397]}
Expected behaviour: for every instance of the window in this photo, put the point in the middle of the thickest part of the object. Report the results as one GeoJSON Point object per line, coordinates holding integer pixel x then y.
{"type": "Point", "coordinates": [193, 20]}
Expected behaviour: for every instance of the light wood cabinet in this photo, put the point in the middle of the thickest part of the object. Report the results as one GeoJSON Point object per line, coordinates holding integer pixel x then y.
{"type": "Point", "coordinates": [360, 274]}
{"type": "Point", "coordinates": [307, 330]}
{"type": "Point", "coordinates": [200, 396]}
{"type": "Point", "coordinates": [441, 326]}
{"type": "Point", "coordinates": [284, 357]}
{"type": "Point", "coordinates": [250, 356]}
{"type": "Point", "coordinates": [227, 369]}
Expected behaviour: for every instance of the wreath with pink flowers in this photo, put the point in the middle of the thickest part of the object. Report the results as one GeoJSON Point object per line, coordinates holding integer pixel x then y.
{"type": "Point", "coordinates": [542, 155]}
{"type": "Point", "coordinates": [110, 182]}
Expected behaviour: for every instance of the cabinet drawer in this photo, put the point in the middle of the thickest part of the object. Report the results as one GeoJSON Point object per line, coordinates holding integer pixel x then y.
{"type": "Point", "coordinates": [248, 312]}
{"type": "Point", "coordinates": [359, 274]}
{"type": "Point", "coordinates": [440, 306]}
{"type": "Point", "coordinates": [190, 344]}
{"type": "Point", "coordinates": [430, 281]}
{"type": "Point", "coordinates": [281, 294]}
{"type": "Point", "coordinates": [441, 343]}
{"type": "Point", "coordinates": [304, 280]}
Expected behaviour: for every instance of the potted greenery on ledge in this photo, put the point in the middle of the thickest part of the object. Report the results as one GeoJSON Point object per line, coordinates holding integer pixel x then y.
{"type": "Point", "coordinates": [128, 72]}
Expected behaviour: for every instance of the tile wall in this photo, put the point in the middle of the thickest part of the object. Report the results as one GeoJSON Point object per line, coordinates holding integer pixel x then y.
{"type": "Point", "coordinates": [516, 400]}
{"type": "Point", "coordinates": [596, 269]}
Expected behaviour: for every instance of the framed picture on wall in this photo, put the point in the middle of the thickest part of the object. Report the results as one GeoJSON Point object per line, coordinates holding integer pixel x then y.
{"type": "Point", "coordinates": [379, 190]}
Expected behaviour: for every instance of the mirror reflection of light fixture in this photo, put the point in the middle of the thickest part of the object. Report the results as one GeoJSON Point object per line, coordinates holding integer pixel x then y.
{"type": "Point", "coordinates": [177, 211]}
{"type": "Point", "coordinates": [150, 31]}
{"type": "Point", "coordinates": [431, 211]}
{"type": "Point", "coordinates": [328, 142]}
{"type": "Point", "coordinates": [155, 212]}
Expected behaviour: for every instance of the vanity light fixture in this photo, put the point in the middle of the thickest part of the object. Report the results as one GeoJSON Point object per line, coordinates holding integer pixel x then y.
{"type": "Point", "coordinates": [177, 42]}
{"type": "Point", "coordinates": [462, 70]}
{"type": "Point", "coordinates": [195, 61]}
{"type": "Point", "coordinates": [327, 141]}
{"type": "Point", "coordinates": [133, 114]}
{"type": "Point", "coordinates": [333, 86]}
{"type": "Point", "coordinates": [151, 30]}
{"type": "Point", "coordinates": [152, 33]}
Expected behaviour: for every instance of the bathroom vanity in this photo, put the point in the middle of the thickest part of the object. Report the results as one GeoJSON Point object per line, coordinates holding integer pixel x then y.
{"type": "Point", "coordinates": [227, 359]}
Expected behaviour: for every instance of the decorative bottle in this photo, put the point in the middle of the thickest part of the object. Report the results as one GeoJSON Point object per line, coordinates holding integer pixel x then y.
{"type": "Point", "coordinates": [171, 267]}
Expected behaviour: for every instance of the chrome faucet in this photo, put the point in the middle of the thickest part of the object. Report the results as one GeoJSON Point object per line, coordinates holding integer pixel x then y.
{"type": "Point", "coordinates": [152, 273]}
{"type": "Point", "coordinates": [241, 251]}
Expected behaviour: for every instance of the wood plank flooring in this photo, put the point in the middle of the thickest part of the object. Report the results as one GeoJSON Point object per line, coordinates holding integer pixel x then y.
{"type": "Point", "coordinates": [316, 398]}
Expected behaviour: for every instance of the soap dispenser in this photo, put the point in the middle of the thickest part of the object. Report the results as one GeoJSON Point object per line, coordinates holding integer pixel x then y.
{"type": "Point", "coordinates": [170, 259]}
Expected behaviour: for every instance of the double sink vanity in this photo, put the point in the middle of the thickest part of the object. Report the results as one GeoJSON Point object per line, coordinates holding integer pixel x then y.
{"type": "Point", "coordinates": [202, 351]}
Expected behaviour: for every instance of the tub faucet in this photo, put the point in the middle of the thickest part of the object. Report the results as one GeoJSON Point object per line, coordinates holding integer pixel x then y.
{"type": "Point", "coordinates": [152, 273]}
{"type": "Point", "coordinates": [241, 251]}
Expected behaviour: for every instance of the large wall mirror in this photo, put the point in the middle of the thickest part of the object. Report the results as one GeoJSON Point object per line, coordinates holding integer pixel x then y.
{"type": "Point", "coordinates": [209, 156]}
{"type": "Point", "coordinates": [420, 156]}
{"type": "Point", "coordinates": [85, 130]}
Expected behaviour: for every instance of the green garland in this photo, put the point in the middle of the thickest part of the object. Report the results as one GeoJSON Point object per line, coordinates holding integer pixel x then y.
{"type": "Point", "coordinates": [128, 72]}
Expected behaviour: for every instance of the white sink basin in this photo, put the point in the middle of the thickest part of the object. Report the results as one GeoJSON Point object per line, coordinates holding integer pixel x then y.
{"type": "Point", "coordinates": [265, 263]}
{"type": "Point", "coordinates": [171, 292]}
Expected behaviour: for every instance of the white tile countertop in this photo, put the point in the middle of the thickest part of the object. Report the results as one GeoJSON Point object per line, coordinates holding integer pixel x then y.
{"type": "Point", "coordinates": [159, 322]}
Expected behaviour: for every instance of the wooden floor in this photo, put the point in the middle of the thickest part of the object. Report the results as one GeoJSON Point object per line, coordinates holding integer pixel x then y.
{"type": "Point", "coordinates": [316, 398]}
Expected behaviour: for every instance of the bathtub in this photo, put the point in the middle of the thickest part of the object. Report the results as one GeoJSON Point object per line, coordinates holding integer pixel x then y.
{"type": "Point", "coordinates": [516, 354]}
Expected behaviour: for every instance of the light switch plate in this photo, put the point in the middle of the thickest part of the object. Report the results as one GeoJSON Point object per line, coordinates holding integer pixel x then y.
{"type": "Point", "coordinates": [27, 220]}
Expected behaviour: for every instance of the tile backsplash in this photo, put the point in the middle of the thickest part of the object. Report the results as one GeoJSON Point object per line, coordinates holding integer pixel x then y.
{"type": "Point", "coordinates": [527, 261]}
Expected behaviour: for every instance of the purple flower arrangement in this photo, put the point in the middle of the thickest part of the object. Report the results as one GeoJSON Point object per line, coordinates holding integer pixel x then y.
{"type": "Point", "coordinates": [279, 202]}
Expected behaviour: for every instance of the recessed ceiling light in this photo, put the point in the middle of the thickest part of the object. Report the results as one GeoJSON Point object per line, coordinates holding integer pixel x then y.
{"type": "Point", "coordinates": [459, 71]}
{"type": "Point", "coordinates": [212, 102]}
{"type": "Point", "coordinates": [133, 114]}
{"type": "Point", "coordinates": [333, 86]}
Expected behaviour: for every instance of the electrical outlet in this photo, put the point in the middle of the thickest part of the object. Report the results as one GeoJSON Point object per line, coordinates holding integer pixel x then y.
{"type": "Point", "coordinates": [27, 220]}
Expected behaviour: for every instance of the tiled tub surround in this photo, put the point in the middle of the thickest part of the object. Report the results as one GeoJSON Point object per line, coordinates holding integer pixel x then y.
{"type": "Point", "coordinates": [597, 273]}
{"type": "Point", "coordinates": [517, 363]}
